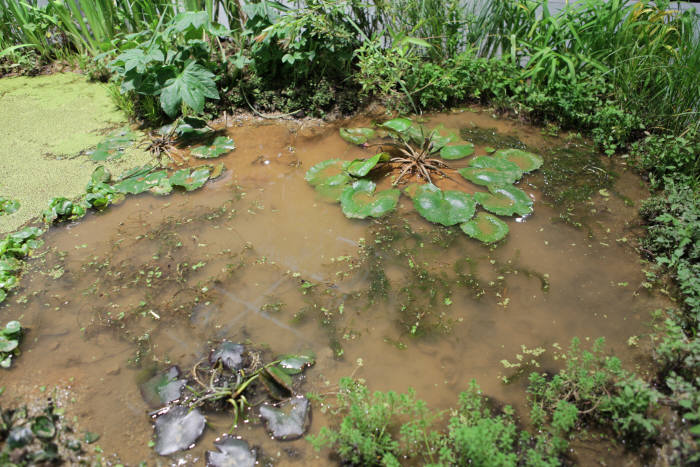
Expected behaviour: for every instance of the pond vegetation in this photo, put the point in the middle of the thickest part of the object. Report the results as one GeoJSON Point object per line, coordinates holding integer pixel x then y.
{"type": "Point", "coordinates": [260, 263]}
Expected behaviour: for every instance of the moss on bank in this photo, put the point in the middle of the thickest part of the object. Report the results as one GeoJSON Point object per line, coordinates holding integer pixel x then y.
{"type": "Point", "coordinates": [46, 124]}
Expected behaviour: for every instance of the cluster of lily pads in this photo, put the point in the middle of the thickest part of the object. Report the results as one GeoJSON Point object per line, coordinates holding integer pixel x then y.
{"type": "Point", "coordinates": [13, 248]}
{"type": "Point", "coordinates": [10, 338]}
{"type": "Point", "coordinates": [232, 378]}
{"type": "Point", "coordinates": [8, 206]}
{"type": "Point", "coordinates": [410, 151]}
{"type": "Point", "coordinates": [41, 439]}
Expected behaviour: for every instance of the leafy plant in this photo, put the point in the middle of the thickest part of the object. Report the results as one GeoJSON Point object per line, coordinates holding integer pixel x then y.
{"type": "Point", "coordinates": [415, 151]}
{"type": "Point", "coordinates": [8, 206]}
{"type": "Point", "coordinates": [62, 209]}
{"type": "Point", "coordinates": [13, 248]}
{"type": "Point", "coordinates": [10, 338]}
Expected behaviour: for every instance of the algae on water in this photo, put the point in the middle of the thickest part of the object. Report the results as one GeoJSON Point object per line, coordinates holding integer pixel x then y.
{"type": "Point", "coordinates": [46, 126]}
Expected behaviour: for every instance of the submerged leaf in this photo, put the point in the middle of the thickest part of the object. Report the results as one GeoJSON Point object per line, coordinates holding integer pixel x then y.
{"type": "Point", "coordinates": [359, 200]}
{"type": "Point", "coordinates": [231, 452]}
{"type": "Point", "coordinates": [505, 201]}
{"type": "Point", "coordinates": [287, 421]}
{"type": "Point", "coordinates": [443, 207]}
{"type": "Point", "coordinates": [322, 171]}
{"type": "Point", "coordinates": [229, 353]}
{"type": "Point", "coordinates": [486, 170]}
{"type": "Point", "coordinates": [163, 388]}
{"type": "Point", "coordinates": [458, 151]}
{"type": "Point", "coordinates": [178, 429]}
{"type": "Point", "coordinates": [486, 228]}
{"type": "Point", "coordinates": [220, 145]}
{"type": "Point", "coordinates": [356, 135]}
{"type": "Point", "coordinates": [333, 187]}
{"type": "Point", "coordinates": [526, 161]}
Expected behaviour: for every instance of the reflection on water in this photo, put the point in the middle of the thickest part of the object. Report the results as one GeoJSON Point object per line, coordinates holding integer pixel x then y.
{"type": "Point", "coordinates": [255, 257]}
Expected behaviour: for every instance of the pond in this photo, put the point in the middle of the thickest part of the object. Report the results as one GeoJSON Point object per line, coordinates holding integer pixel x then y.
{"type": "Point", "coordinates": [255, 257]}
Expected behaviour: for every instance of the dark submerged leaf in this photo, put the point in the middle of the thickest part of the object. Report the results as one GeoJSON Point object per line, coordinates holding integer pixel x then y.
{"type": "Point", "coordinates": [178, 429]}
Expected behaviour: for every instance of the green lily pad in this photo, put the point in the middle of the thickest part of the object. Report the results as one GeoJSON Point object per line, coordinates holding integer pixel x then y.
{"type": "Point", "coordinates": [356, 135]}
{"type": "Point", "coordinates": [13, 328]}
{"type": "Point", "coordinates": [486, 228]}
{"type": "Point", "coordinates": [505, 201]}
{"type": "Point", "coordinates": [489, 150]}
{"type": "Point", "coordinates": [113, 147]}
{"type": "Point", "coordinates": [8, 206]}
{"type": "Point", "coordinates": [322, 171]}
{"type": "Point", "coordinates": [444, 207]}
{"type": "Point", "coordinates": [220, 145]}
{"type": "Point", "coordinates": [486, 170]}
{"type": "Point", "coordinates": [398, 124]}
{"type": "Point", "coordinates": [141, 183]}
{"type": "Point", "coordinates": [437, 139]}
{"type": "Point", "coordinates": [359, 200]}
{"type": "Point", "coordinates": [190, 180]}
{"type": "Point", "coordinates": [361, 167]}
{"type": "Point", "coordinates": [295, 364]}
{"type": "Point", "coordinates": [7, 345]}
{"type": "Point", "coordinates": [164, 187]}
{"type": "Point", "coordinates": [136, 172]}
{"type": "Point", "coordinates": [458, 151]}
{"type": "Point", "coordinates": [333, 187]}
{"type": "Point", "coordinates": [526, 161]}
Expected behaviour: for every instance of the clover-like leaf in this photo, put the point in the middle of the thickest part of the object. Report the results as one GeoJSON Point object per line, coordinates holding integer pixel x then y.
{"type": "Point", "coordinates": [356, 135]}
{"type": "Point", "coordinates": [486, 170]}
{"type": "Point", "coordinates": [443, 207]}
{"type": "Point", "coordinates": [220, 145]}
{"type": "Point", "coordinates": [485, 227]}
{"type": "Point", "coordinates": [457, 151]}
{"type": "Point", "coordinates": [505, 201]}
{"type": "Point", "coordinates": [360, 200]}
{"type": "Point", "coordinates": [526, 161]}
{"type": "Point", "coordinates": [190, 180]}
{"type": "Point", "coordinates": [322, 171]}
{"type": "Point", "coordinates": [361, 167]}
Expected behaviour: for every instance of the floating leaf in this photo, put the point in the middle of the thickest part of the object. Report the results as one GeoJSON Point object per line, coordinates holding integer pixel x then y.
{"type": "Point", "coordinates": [361, 167]}
{"type": "Point", "coordinates": [12, 328]}
{"type": "Point", "coordinates": [486, 228]}
{"type": "Point", "coordinates": [8, 206]}
{"type": "Point", "coordinates": [287, 421]}
{"type": "Point", "coordinates": [359, 200]}
{"type": "Point", "coordinates": [295, 364]}
{"type": "Point", "coordinates": [333, 187]}
{"type": "Point", "coordinates": [220, 145]}
{"type": "Point", "coordinates": [178, 429]}
{"type": "Point", "coordinates": [458, 151]}
{"type": "Point", "coordinates": [505, 201]}
{"type": "Point", "coordinates": [163, 388]}
{"type": "Point", "coordinates": [398, 124]}
{"type": "Point", "coordinates": [100, 175]}
{"type": "Point", "coordinates": [164, 187]}
{"type": "Point", "coordinates": [43, 427]}
{"type": "Point", "coordinates": [190, 181]}
{"type": "Point", "coordinates": [135, 172]}
{"type": "Point", "coordinates": [526, 161]}
{"type": "Point", "coordinates": [322, 171]}
{"type": "Point", "coordinates": [486, 170]}
{"type": "Point", "coordinates": [443, 207]}
{"type": "Point", "coordinates": [230, 354]}
{"type": "Point", "coordinates": [356, 135]}
{"type": "Point", "coordinates": [217, 170]}
{"type": "Point", "coordinates": [231, 452]}
{"type": "Point", "coordinates": [141, 183]}
{"type": "Point", "coordinates": [7, 345]}
{"type": "Point", "coordinates": [113, 147]}
{"type": "Point", "coordinates": [411, 189]}
{"type": "Point", "coordinates": [437, 140]}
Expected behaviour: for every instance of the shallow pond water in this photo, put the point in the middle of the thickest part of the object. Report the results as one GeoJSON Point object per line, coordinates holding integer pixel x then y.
{"type": "Point", "coordinates": [255, 257]}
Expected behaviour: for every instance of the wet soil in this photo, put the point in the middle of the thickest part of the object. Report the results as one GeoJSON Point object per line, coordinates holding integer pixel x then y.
{"type": "Point", "coordinates": [255, 257]}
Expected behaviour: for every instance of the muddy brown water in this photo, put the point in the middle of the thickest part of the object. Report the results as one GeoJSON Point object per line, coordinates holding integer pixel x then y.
{"type": "Point", "coordinates": [153, 281]}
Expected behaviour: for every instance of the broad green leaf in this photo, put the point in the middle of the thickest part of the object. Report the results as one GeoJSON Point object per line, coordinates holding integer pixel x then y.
{"type": "Point", "coordinates": [139, 184]}
{"type": "Point", "coordinates": [359, 200]}
{"type": "Point", "coordinates": [8, 281]}
{"type": "Point", "coordinates": [489, 150]}
{"type": "Point", "coordinates": [43, 427]}
{"type": "Point", "coordinates": [100, 175]}
{"type": "Point", "coordinates": [356, 135]}
{"type": "Point", "coordinates": [191, 86]}
{"type": "Point", "coordinates": [526, 161]}
{"type": "Point", "coordinates": [113, 146]}
{"type": "Point", "coordinates": [458, 151]}
{"type": "Point", "coordinates": [486, 228]}
{"type": "Point", "coordinates": [322, 171]}
{"type": "Point", "coordinates": [295, 364]}
{"type": "Point", "coordinates": [7, 345]}
{"type": "Point", "coordinates": [505, 201]}
{"type": "Point", "coordinates": [361, 167]}
{"type": "Point", "coordinates": [398, 124]}
{"type": "Point", "coordinates": [486, 170]}
{"type": "Point", "coordinates": [164, 187]}
{"type": "Point", "coordinates": [11, 328]}
{"type": "Point", "coordinates": [280, 377]}
{"type": "Point", "coordinates": [135, 172]}
{"type": "Point", "coordinates": [437, 139]}
{"type": "Point", "coordinates": [220, 145]}
{"type": "Point", "coordinates": [443, 207]}
{"type": "Point", "coordinates": [333, 187]}
{"type": "Point", "coordinates": [138, 58]}
{"type": "Point", "coordinates": [190, 180]}
{"type": "Point", "coordinates": [9, 264]}
{"type": "Point", "coordinates": [8, 206]}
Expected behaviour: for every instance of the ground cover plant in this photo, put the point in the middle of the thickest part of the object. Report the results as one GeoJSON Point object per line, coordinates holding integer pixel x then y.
{"type": "Point", "coordinates": [623, 73]}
